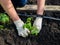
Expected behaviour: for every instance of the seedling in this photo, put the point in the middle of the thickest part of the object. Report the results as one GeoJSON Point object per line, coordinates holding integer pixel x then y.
{"type": "Point", "coordinates": [4, 20]}
{"type": "Point", "coordinates": [28, 25]}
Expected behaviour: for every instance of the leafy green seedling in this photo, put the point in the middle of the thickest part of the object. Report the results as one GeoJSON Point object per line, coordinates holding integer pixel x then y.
{"type": "Point", "coordinates": [34, 31]}
{"type": "Point", "coordinates": [28, 24]}
{"type": "Point", "coordinates": [4, 18]}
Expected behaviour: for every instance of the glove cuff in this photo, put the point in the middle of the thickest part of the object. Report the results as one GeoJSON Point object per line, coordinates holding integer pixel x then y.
{"type": "Point", "coordinates": [38, 15]}
{"type": "Point", "coordinates": [18, 23]}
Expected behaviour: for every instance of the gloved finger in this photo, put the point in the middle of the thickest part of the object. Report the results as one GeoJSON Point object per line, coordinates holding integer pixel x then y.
{"type": "Point", "coordinates": [21, 34]}
{"type": "Point", "coordinates": [25, 33]}
{"type": "Point", "coordinates": [27, 30]}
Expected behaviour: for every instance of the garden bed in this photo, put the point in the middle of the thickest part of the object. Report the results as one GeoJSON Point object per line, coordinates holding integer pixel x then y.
{"type": "Point", "coordinates": [49, 35]}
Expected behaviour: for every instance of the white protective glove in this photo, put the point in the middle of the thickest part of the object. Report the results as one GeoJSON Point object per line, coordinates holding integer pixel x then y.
{"type": "Point", "coordinates": [38, 23]}
{"type": "Point", "coordinates": [19, 25]}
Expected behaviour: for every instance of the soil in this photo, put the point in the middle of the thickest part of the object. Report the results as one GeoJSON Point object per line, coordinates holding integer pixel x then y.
{"type": "Point", "coordinates": [49, 35]}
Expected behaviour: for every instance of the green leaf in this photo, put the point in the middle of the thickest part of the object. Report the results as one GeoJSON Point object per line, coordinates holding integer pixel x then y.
{"type": "Point", "coordinates": [1, 26]}
{"type": "Point", "coordinates": [29, 19]}
{"type": "Point", "coordinates": [24, 26]}
{"type": "Point", "coordinates": [28, 23]}
{"type": "Point", "coordinates": [7, 19]}
{"type": "Point", "coordinates": [34, 31]}
{"type": "Point", "coordinates": [4, 18]}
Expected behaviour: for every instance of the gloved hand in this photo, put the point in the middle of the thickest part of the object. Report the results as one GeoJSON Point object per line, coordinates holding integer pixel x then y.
{"type": "Point", "coordinates": [38, 23]}
{"type": "Point", "coordinates": [21, 32]}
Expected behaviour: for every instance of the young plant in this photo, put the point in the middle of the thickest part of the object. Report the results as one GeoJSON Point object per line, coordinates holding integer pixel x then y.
{"type": "Point", "coordinates": [4, 18]}
{"type": "Point", "coordinates": [28, 24]}
{"type": "Point", "coordinates": [34, 30]}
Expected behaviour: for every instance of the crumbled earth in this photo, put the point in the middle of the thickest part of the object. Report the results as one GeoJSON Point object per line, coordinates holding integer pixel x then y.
{"type": "Point", "coordinates": [49, 35]}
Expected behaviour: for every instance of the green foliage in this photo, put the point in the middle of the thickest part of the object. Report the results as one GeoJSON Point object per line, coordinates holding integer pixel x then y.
{"type": "Point", "coordinates": [4, 20]}
{"type": "Point", "coordinates": [28, 24]}
{"type": "Point", "coordinates": [1, 26]}
{"type": "Point", "coordinates": [33, 30]}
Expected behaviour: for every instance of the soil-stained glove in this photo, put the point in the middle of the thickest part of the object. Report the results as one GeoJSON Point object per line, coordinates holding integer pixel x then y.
{"type": "Point", "coordinates": [21, 32]}
{"type": "Point", "coordinates": [38, 23]}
